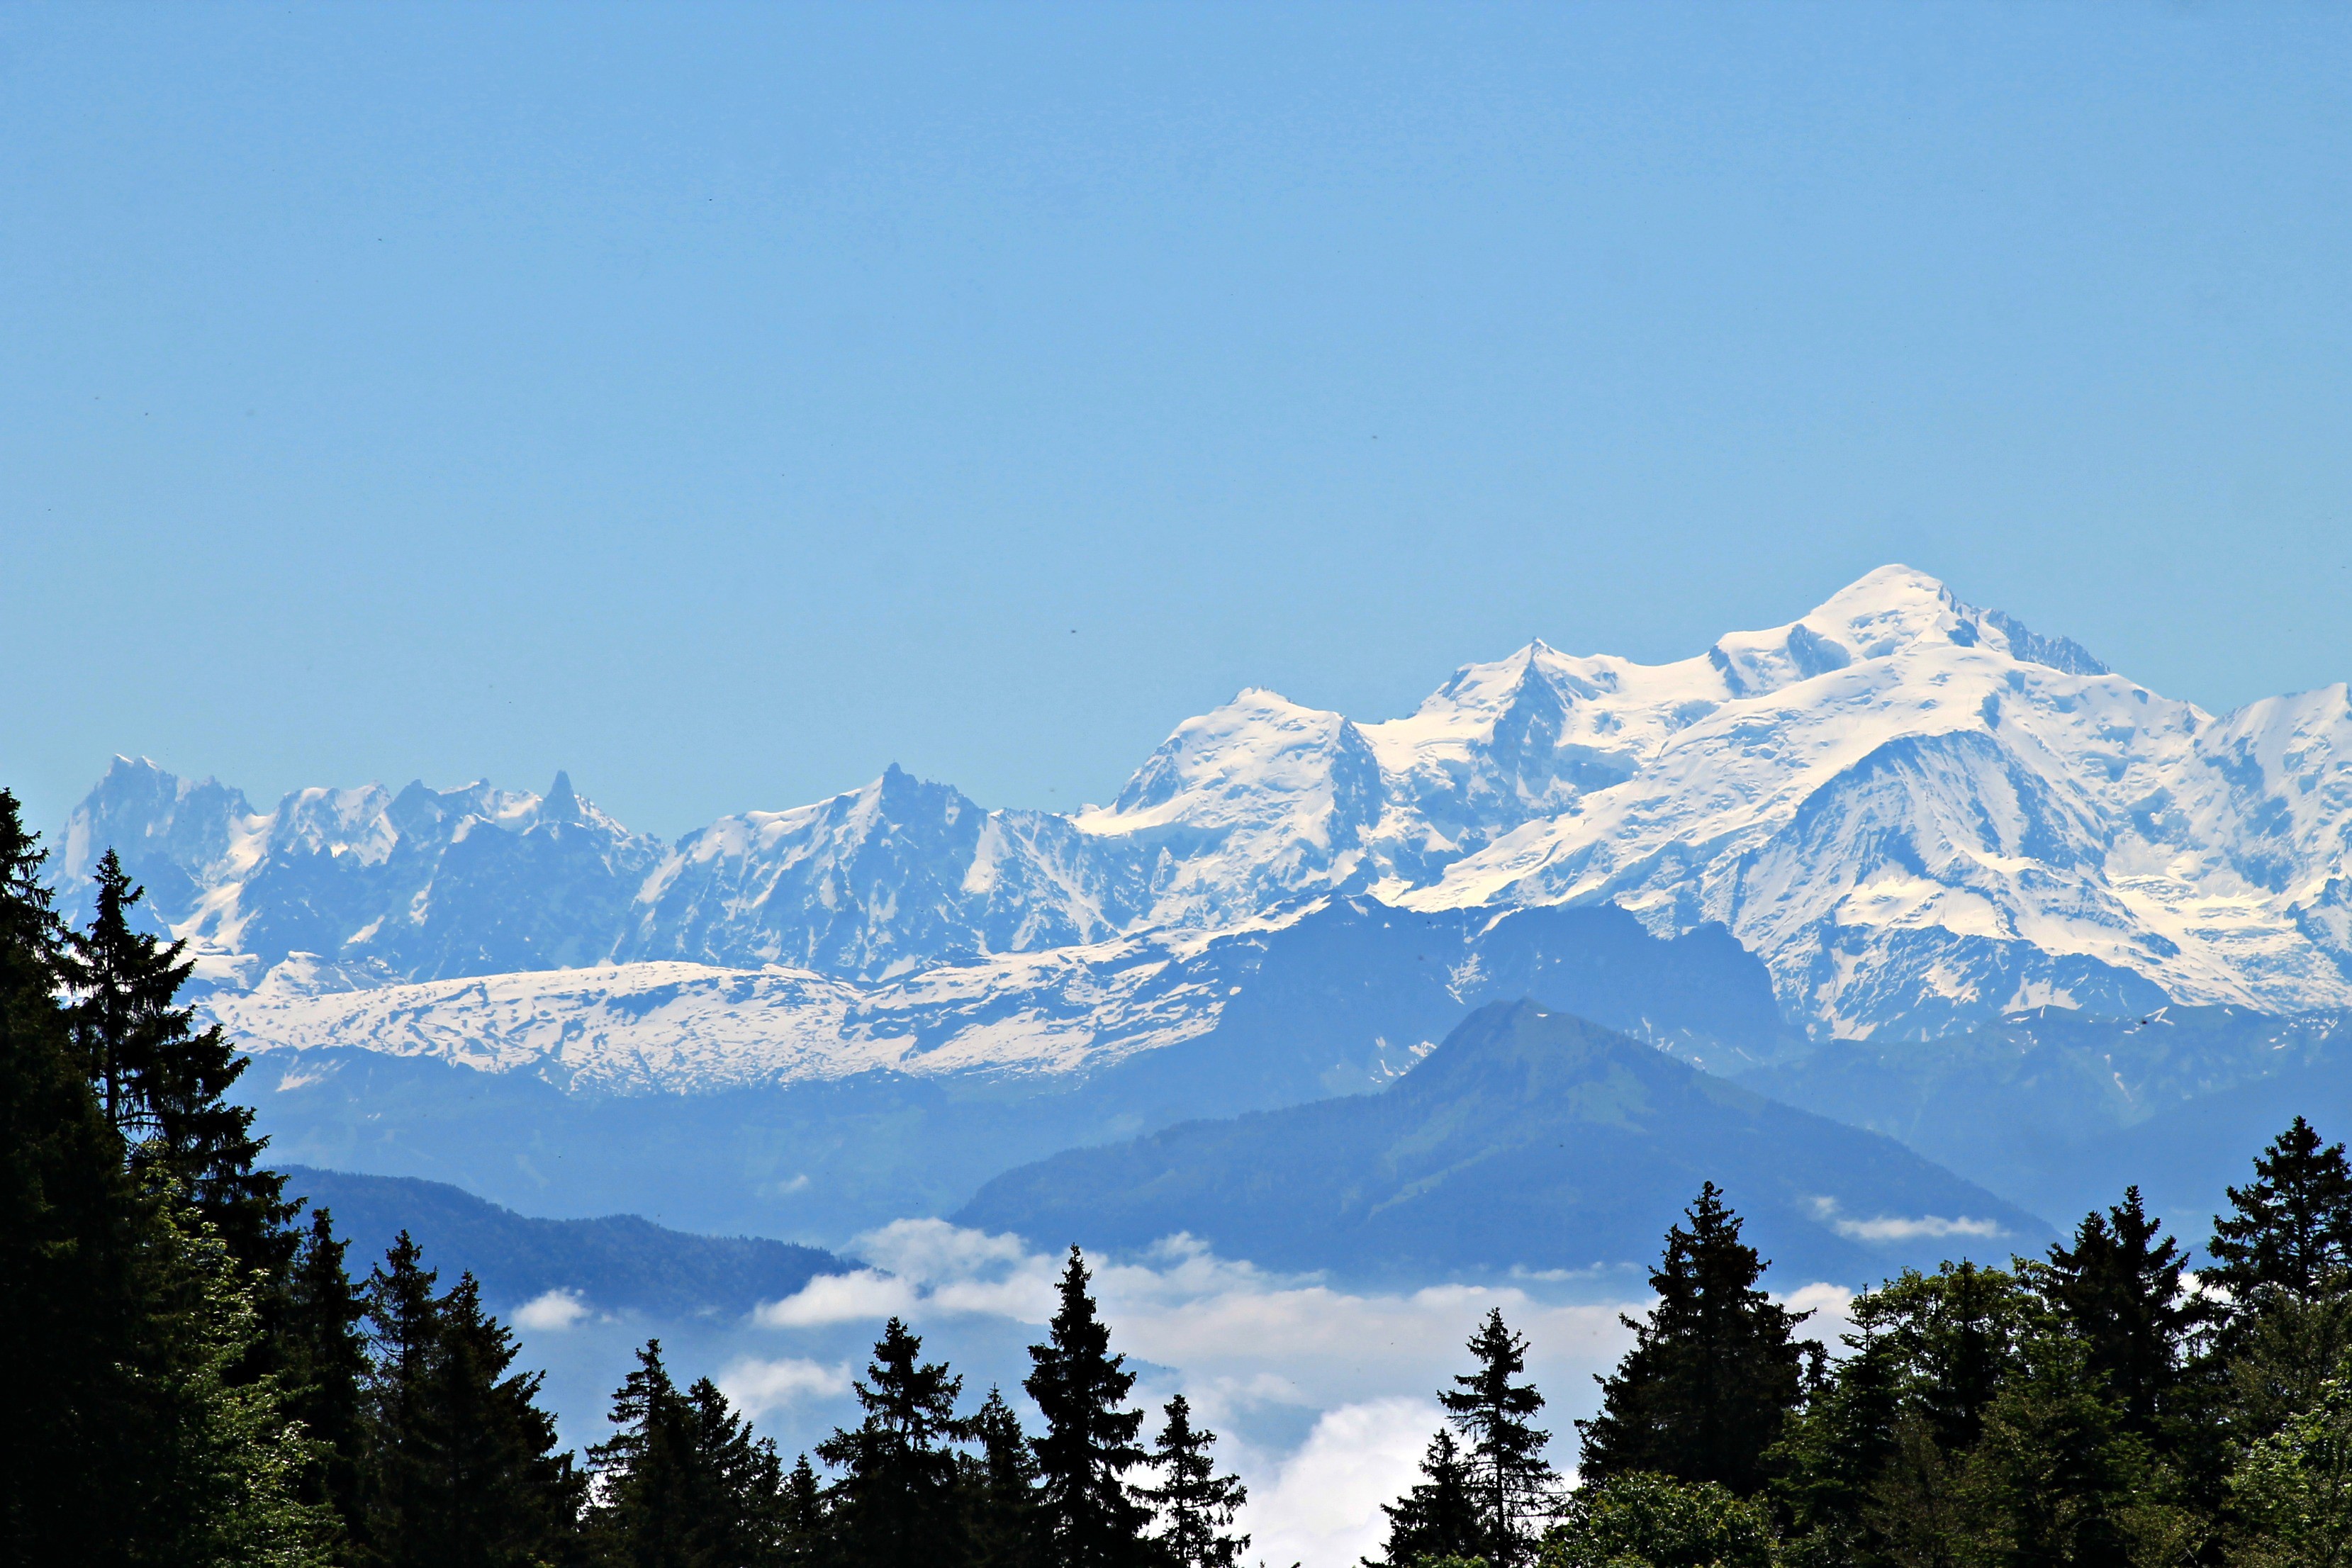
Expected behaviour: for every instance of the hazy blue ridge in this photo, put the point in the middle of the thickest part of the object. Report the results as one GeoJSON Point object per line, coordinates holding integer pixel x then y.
{"type": "Point", "coordinates": [1530, 1140]}
{"type": "Point", "coordinates": [619, 1263]}
{"type": "Point", "coordinates": [1341, 1001]}
{"type": "Point", "coordinates": [2058, 1109]}
{"type": "Point", "coordinates": [2186, 1157]}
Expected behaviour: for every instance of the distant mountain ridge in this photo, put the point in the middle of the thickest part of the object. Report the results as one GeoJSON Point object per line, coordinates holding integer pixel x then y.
{"type": "Point", "coordinates": [618, 1263]}
{"type": "Point", "coordinates": [1919, 814]}
{"type": "Point", "coordinates": [1528, 1139]}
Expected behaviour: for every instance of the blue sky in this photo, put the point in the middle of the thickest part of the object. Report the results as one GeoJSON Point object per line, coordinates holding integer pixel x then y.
{"type": "Point", "coordinates": [723, 403]}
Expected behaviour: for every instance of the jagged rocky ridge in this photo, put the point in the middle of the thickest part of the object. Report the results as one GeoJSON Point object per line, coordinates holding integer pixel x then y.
{"type": "Point", "coordinates": [1920, 814]}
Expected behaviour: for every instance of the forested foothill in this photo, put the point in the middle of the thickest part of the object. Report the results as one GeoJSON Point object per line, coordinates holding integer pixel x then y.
{"type": "Point", "coordinates": [194, 1374]}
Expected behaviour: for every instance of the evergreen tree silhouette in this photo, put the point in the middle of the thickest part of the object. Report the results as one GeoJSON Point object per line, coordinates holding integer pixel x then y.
{"type": "Point", "coordinates": [1512, 1485]}
{"type": "Point", "coordinates": [68, 1238]}
{"type": "Point", "coordinates": [132, 1432]}
{"type": "Point", "coordinates": [682, 1483]}
{"type": "Point", "coordinates": [805, 1541]}
{"type": "Point", "coordinates": [323, 1362]}
{"type": "Point", "coordinates": [1195, 1505]}
{"type": "Point", "coordinates": [2120, 1289]}
{"type": "Point", "coordinates": [2290, 1230]}
{"type": "Point", "coordinates": [163, 1082]}
{"type": "Point", "coordinates": [1091, 1519]}
{"type": "Point", "coordinates": [896, 1504]}
{"type": "Point", "coordinates": [462, 1466]}
{"type": "Point", "coordinates": [1439, 1517]}
{"type": "Point", "coordinates": [1714, 1371]}
{"type": "Point", "coordinates": [1000, 1489]}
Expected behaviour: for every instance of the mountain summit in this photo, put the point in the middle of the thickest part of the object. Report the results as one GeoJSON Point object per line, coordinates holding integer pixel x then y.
{"type": "Point", "coordinates": [1919, 812]}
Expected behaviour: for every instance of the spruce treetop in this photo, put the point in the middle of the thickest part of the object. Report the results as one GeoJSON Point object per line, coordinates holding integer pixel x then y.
{"type": "Point", "coordinates": [2290, 1230]}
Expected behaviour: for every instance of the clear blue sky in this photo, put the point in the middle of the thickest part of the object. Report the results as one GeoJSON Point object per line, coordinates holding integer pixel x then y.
{"type": "Point", "coordinates": [724, 403]}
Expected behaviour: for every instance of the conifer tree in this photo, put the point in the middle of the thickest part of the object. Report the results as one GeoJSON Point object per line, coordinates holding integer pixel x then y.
{"type": "Point", "coordinates": [1000, 1489]}
{"type": "Point", "coordinates": [1439, 1517]}
{"type": "Point", "coordinates": [164, 1083]}
{"type": "Point", "coordinates": [1090, 1517]}
{"type": "Point", "coordinates": [1714, 1371]}
{"type": "Point", "coordinates": [1195, 1505]}
{"type": "Point", "coordinates": [2053, 1477]}
{"type": "Point", "coordinates": [323, 1366]}
{"type": "Point", "coordinates": [463, 1471]}
{"type": "Point", "coordinates": [69, 1226]}
{"type": "Point", "coordinates": [1512, 1485]}
{"type": "Point", "coordinates": [219, 1473]}
{"type": "Point", "coordinates": [682, 1483]}
{"type": "Point", "coordinates": [2290, 1230]}
{"type": "Point", "coordinates": [130, 1433]}
{"type": "Point", "coordinates": [1868, 1467]}
{"type": "Point", "coordinates": [896, 1504]}
{"type": "Point", "coordinates": [2119, 1289]}
{"type": "Point", "coordinates": [806, 1538]}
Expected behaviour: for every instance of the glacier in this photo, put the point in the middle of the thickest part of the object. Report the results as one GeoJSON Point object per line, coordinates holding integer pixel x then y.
{"type": "Point", "coordinates": [1919, 814]}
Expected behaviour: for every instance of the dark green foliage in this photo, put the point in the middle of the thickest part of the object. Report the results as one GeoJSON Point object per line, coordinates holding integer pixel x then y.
{"type": "Point", "coordinates": [68, 1238]}
{"type": "Point", "coordinates": [2053, 1416]}
{"type": "Point", "coordinates": [164, 1083]}
{"type": "Point", "coordinates": [1439, 1517]}
{"type": "Point", "coordinates": [2290, 1230]}
{"type": "Point", "coordinates": [1659, 1523]}
{"type": "Point", "coordinates": [1090, 1516]}
{"type": "Point", "coordinates": [682, 1483]}
{"type": "Point", "coordinates": [1000, 1491]}
{"type": "Point", "coordinates": [323, 1366]}
{"type": "Point", "coordinates": [896, 1504]}
{"type": "Point", "coordinates": [1512, 1485]}
{"type": "Point", "coordinates": [1714, 1371]}
{"type": "Point", "coordinates": [803, 1515]}
{"type": "Point", "coordinates": [2053, 1474]}
{"type": "Point", "coordinates": [1195, 1505]}
{"type": "Point", "coordinates": [2293, 1493]}
{"type": "Point", "coordinates": [133, 1431]}
{"type": "Point", "coordinates": [1864, 1471]}
{"type": "Point", "coordinates": [2281, 1359]}
{"type": "Point", "coordinates": [462, 1469]}
{"type": "Point", "coordinates": [2118, 1289]}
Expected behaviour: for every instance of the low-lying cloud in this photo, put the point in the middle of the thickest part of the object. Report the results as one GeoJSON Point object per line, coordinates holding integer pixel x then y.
{"type": "Point", "coordinates": [1325, 1396]}
{"type": "Point", "coordinates": [1905, 1228]}
{"type": "Point", "coordinates": [552, 1312]}
{"type": "Point", "coordinates": [759, 1387]}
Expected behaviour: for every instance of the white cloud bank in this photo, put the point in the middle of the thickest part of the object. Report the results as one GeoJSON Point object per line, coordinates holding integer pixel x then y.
{"type": "Point", "coordinates": [756, 1387]}
{"type": "Point", "coordinates": [1264, 1357]}
{"type": "Point", "coordinates": [552, 1312]}
{"type": "Point", "coordinates": [1903, 1227]}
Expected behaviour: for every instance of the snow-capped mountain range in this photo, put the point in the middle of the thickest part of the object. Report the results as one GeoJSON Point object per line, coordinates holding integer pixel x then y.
{"type": "Point", "coordinates": [1917, 813]}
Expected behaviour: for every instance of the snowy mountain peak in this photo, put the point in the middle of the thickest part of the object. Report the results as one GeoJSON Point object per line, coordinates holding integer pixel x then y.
{"type": "Point", "coordinates": [559, 803]}
{"type": "Point", "coordinates": [1915, 811]}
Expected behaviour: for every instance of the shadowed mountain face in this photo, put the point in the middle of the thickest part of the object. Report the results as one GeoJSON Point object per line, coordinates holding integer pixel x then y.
{"type": "Point", "coordinates": [1341, 1001]}
{"type": "Point", "coordinates": [620, 1263]}
{"type": "Point", "coordinates": [2040, 1107]}
{"type": "Point", "coordinates": [1527, 1139]}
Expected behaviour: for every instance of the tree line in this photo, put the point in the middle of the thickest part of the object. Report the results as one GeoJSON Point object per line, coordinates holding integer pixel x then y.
{"type": "Point", "coordinates": [2104, 1403]}
{"type": "Point", "coordinates": [191, 1376]}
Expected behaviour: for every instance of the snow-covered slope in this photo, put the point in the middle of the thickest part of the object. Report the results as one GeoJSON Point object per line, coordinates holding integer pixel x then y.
{"type": "Point", "coordinates": [389, 887]}
{"type": "Point", "coordinates": [1917, 811]}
